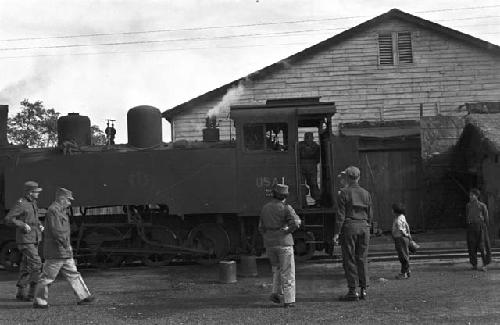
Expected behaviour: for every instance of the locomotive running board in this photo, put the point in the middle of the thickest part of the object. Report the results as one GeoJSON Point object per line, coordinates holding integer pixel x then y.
{"type": "Point", "coordinates": [174, 249]}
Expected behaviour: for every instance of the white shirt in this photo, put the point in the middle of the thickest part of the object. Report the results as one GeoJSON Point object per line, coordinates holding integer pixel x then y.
{"type": "Point", "coordinates": [400, 227]}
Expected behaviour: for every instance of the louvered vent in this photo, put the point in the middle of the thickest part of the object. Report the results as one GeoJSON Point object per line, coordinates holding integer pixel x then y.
{"type": "Point", "coordinates": [385, 49]}
{"type": "Point", "coordinates": [405, 54]}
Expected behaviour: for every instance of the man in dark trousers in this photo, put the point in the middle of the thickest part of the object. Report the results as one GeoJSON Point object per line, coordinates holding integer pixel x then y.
{"type": "Point", "coordinates": [477, 230]}
{"type": "Point", "coordinates": [59, 254]}
{"type": "Point", "coordinates": [354, 217]}
{"type": "Point", "coordinates": [309, 152]}
{"type": "Point", "coordinates": [278, 221]}
{"type": "Point", "coordinates": [24, 215]}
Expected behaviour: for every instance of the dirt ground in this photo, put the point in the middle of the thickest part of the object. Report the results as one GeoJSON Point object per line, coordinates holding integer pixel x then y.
{"type": "Point", "coordinates": [437, 293]}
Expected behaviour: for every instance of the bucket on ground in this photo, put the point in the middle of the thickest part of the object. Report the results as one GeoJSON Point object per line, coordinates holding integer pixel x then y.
{"type": "Point", "coordinates": [227, 271]}
{"type": "Point", "coordinates": [248, 266]}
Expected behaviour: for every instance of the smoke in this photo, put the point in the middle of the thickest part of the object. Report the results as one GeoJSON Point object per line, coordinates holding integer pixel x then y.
{"type": "Point", "coordinates": [36, 80]}
{"type": "Point", "coordinates": [222, 108]}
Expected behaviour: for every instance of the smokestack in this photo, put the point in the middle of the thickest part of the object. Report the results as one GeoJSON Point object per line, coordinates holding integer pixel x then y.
{"type": "Point", "coordinates": [4, 114]}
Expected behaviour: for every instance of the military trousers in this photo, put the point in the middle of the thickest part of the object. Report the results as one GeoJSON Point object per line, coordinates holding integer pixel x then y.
{"type": "Point", "coordinates": [309, 173]}
{"type": "Point", "coordinates": [67, 267]}
{"type": "Point", "coordinates": [478, 239]}
{"type": "Point", "coordinates": [29, 269]}
{"type": "Point", "coordinates": [354, 239]}
{"type": "Point", "coordinates": [283, 267]}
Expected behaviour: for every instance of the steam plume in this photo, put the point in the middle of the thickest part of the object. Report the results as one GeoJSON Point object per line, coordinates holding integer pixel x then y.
{"type": "Point", "coordinates": [222, 107]}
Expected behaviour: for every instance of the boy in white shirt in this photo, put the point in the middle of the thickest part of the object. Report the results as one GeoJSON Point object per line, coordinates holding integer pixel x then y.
{"type": "Point", "coordinates": [401, 236]}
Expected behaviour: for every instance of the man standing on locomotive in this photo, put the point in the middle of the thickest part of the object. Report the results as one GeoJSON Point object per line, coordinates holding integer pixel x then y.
{"type": "Point", "coordinates": [309, 152]}
{"type": "Point", "coordinates": [24, 215]}
{"type": "Point", "coordinates": [354, 217]}
{"type": "Point", "coordinates": [278, 221]}
{"type": "Point", "coordinates": [59, 254]}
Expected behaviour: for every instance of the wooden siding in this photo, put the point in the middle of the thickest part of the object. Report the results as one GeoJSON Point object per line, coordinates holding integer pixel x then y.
{"type": "Point", "coordinates": [445, 74]}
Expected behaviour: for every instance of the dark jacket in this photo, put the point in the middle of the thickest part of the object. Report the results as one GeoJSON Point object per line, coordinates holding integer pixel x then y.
{"type": "Point", "coordinates": [477, 212]}
{"type": "Point", "coordinates": [56, 243]}
{"type": "Point", "coordinates": [274, 216]}
{"type": "Point", "coordinates": [354, 205]}
{"type": "Point", "coordinates": [309, 152]}
{"type": "Point", "coordinates": [25, 212]}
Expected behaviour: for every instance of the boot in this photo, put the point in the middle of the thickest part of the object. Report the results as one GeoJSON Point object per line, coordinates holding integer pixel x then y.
{"type": "Point", "coordinates": [20, 296]}
{"type": "Point", "coordinates": [351, 295]}
{"type": "Point", "coordinates": [363, 294]}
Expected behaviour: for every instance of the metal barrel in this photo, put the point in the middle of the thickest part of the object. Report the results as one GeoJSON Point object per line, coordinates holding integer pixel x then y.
{"type": "Point", "coordinates": [227, 271]}
{"type": "Point", "coordinates": [248, 266]}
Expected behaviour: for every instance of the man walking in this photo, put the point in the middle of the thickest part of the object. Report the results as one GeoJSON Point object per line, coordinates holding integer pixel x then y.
{"type": "Point", "coordinates": [24, 215]}
{"type": "Point", "coordinates": [278, 221]}
{"type": "Point", "coordinates": [477, 230]}
{"type": "Point", "coordinates": [58, 253]}
{"type": "Point", "coordinates": [353, 224]}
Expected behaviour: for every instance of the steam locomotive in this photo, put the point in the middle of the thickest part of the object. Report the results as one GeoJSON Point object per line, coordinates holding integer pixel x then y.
{"type": "Point", "coordinates": [192, 200]}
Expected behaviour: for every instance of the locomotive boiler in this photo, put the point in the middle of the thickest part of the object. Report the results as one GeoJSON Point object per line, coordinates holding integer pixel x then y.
{"type": "Point", "coordinates": [192, 200]}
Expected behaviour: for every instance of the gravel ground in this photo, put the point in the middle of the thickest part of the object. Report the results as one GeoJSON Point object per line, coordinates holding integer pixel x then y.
{"type": "Point", "coordinates": [436, 293]}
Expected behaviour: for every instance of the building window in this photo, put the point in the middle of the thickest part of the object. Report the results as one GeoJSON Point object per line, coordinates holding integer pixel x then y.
{"type": "Point", "coordinates": [265, 137]}
{"type": "Point", "coordinates": [395, 48]}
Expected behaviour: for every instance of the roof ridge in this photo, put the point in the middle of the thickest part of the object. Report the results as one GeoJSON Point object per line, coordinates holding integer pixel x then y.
{"type": "Point", "coordinates": [220, 91]}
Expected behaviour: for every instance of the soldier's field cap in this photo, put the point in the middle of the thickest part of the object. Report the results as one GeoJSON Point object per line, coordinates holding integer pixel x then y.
{"type": "Point", "coordinates": [64, 193]}
{"type": "Point", "coordinates": [31, 186]}
{"type": "Point", "coordinates": [281, 189]}
{"type": "Point", "coordinates": [352, 172]}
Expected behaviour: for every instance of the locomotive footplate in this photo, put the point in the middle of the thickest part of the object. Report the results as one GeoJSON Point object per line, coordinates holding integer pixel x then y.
{"type": "Point", "coordinates": [164, 250]}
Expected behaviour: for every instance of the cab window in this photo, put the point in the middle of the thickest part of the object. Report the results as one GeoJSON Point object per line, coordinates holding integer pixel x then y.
{"type": "Point", "coordinates": [265, 137]}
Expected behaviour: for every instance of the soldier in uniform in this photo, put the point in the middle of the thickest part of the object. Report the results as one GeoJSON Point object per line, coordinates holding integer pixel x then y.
{"type": "Point", "coordinates": [477, 230]}
{"type": "Point", "coordinates": [24, 215]}
{"type": "Point", "coordinates": [353, 224]}
{"type": "Point", "coordinates": [59, 254]}
{"type": "Point", "coordinates": [309, 152]}
{"type": "Point", "coordinates": [278, 221]}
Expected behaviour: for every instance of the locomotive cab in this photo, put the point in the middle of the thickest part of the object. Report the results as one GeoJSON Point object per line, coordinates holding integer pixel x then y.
{"type": "Point", "coordinates": [268, 138]}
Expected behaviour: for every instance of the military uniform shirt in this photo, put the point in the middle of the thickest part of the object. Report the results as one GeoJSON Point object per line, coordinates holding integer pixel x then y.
{"type": "Point", "coordinates": [57, 233]}
{"type": "Point", "coordinates": [274, 216]}
{"type": "Point", "coordinates": [25, 212]}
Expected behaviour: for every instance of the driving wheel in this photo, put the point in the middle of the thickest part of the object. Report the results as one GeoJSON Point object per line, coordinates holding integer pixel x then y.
{"type": "Point", "coordinates": [212, 238]}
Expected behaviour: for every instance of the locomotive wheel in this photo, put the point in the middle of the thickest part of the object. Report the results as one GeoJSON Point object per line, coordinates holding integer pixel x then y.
{"type": "Point", "coordinates": [160, 235]}
{"type": "Point", "coordinates": [303, 250]}
{"type": "Point", "coordinates": [10, 256]}
{"type": "Point", "coordinates": [211, 237]}
{"type": "Point", "coordinates": [103, 237]}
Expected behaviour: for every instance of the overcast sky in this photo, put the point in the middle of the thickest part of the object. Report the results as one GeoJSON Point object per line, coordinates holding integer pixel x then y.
{"type": "Point", "coordinates": [101, 58]}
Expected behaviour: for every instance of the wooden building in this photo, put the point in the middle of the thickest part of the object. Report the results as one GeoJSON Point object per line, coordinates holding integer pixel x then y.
{"type": "Point", "coordinates": [477, 162]}
{"type": "Point", "coordinates": [384, 76]}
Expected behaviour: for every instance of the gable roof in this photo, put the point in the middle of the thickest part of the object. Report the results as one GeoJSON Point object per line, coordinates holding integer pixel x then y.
{"type": "Point", "coordinates": [488, 127]}
{"type": "Point", "coordinates": [393, 13]}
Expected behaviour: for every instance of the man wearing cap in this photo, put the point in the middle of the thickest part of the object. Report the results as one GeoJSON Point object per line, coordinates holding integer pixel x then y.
{"type": "Point", "coordinates": [278, 221]}
{"type": "Point", "coordinates": [58, 253]}
{"type": "Point", "coordinates": [309, 152]}
{"type": "Point", "coordinates": [354, 217]}
{"type": "Point", "coordinates": [24, 215]}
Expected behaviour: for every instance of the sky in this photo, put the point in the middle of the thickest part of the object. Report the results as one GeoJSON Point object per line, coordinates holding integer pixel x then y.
{"type": "Point", "coordinates": [101, 58]}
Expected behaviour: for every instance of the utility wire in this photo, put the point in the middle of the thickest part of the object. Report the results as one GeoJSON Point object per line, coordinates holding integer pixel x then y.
{"type": "Point", "coordinates": [163, 50]}
{"type": "Point", "coordinates": [208, 38]}
{"type": "Point", "coordinates": [239, 26]}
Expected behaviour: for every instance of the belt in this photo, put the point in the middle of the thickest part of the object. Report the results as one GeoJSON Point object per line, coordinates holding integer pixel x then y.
{"type": "Point", "coordinates": [272, 229]}
{"type": "Point", "coordinates": [355, 220]}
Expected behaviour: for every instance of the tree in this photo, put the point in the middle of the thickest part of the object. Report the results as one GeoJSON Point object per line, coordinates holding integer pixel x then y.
{"type": "Point", "coordinates": [98, 136]}
{"type": "Point", "coordinates": [34, 126]}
